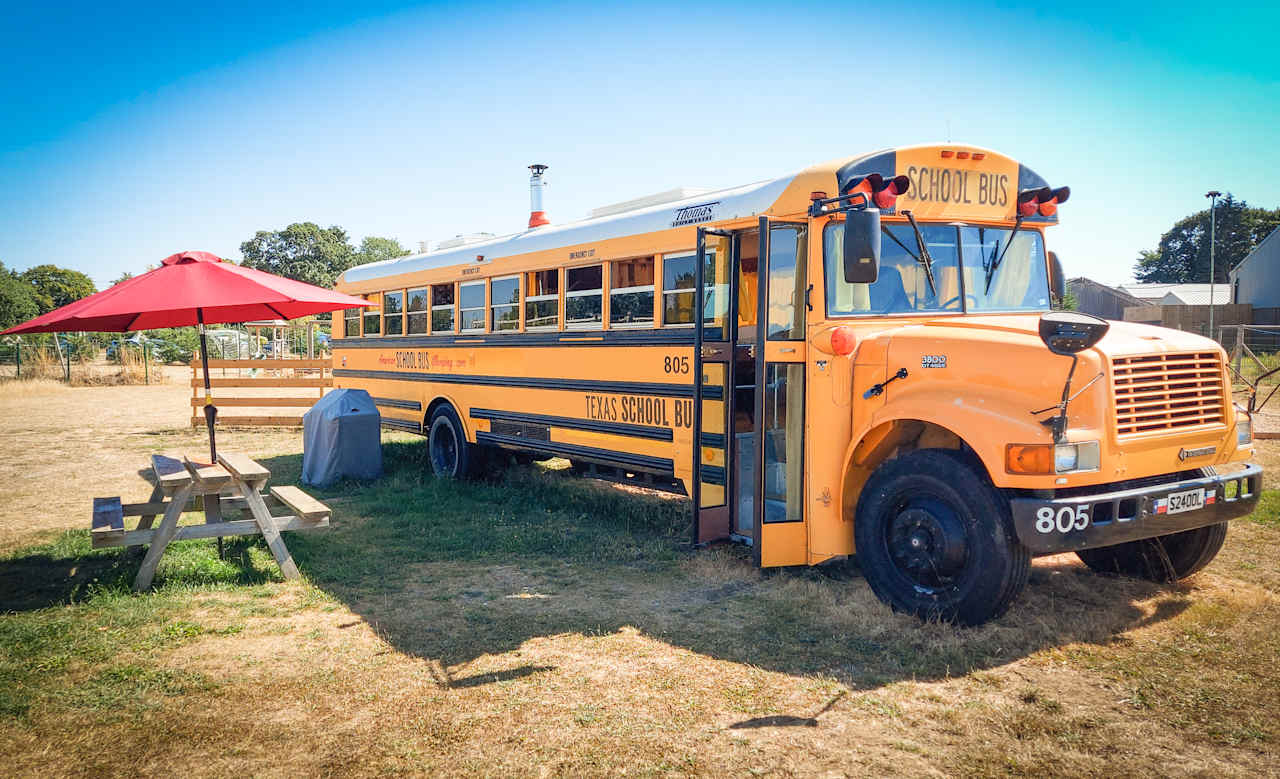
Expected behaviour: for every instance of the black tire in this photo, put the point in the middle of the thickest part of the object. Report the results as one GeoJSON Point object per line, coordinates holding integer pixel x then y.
{"type": "Point", "coordinates": [447, 448]}
{"type": "Point", "coordinates": [1161, 559]}
{"type": "Point", "coordinates": [935, 539]}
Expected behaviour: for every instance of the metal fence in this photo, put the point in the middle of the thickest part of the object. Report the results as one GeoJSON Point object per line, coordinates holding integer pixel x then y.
{"type": "Point", "coordinates": [1254, 356]}
{"type": "Point", "coordinates": [83, 357]}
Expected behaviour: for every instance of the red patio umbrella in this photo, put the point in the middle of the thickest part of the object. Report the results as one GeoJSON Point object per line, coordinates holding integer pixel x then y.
{"type": "Point", "coordinates": [191, 288]}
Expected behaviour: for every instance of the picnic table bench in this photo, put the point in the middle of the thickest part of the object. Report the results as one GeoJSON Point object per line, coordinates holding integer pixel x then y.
{"type": "Point", "coordinates": [234, 483]}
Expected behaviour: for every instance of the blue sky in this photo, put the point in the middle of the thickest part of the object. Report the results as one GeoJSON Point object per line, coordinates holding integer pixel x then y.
{"type": "Point", "coordinates": [131, 132]}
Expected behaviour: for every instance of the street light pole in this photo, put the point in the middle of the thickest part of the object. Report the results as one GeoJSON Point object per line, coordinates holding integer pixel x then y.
{"type": "Point", "coordinates": [1213, 196]}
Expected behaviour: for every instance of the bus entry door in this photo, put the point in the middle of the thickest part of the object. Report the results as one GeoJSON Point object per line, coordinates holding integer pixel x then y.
{"type": "Point", "coordinates": [714, 286]}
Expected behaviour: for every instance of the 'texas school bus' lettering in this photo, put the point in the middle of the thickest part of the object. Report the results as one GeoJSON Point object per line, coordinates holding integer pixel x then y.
{"type": "Point", "coordinates": [932, 184]}
{"type": "Point", "coordinates": [639, 410]}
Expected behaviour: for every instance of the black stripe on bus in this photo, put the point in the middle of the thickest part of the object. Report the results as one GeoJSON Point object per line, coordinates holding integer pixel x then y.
{"type": "Point", "coordinates": [412, 405]}
{"type": "Point", "coordinates": [661, 465]}
{"type": "Point", "coordinates": [402, 424]}
{"type": "Point", "coordinates": [714, 440]}
{"type": "Point", "coordinates": [713, 474]}
{"type": "Point", "coordinates": [641, 337]}
{"type": "Point", "coordinates": [574, 423]}
{"type": "Point", "coordinates": [529, 382]}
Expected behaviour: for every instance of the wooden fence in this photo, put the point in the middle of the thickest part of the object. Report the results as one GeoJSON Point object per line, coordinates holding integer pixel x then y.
{"type": "Point", "coordinates": [234, 384]}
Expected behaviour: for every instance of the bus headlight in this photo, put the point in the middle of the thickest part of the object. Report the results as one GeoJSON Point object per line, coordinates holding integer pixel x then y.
{"type": "Point", "coordinates": [1080, 456]}
{"type": "Point", "coordinates": [1244, 429]}
{"type": "Point", "coordinates": [1049, 458]}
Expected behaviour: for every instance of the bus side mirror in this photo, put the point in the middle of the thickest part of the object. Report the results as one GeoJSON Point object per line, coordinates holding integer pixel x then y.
{"type": "Point", "coordinates": [1056, 284]}
{"type": "Point", "coordinates": [861, 246]}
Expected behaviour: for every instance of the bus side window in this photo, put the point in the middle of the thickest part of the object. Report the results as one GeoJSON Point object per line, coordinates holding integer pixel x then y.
{"type": "Point", "coordinates": [677, 289]}
{"type": "Point", "coordinates": [631, 293]}
{"type": "Point", "coordinates": [442, 308]}
{"type": "Point", "coordinates": [504, 294]}
{"type": "Point", "coordinates": [471, 307]}
{"type": "Point", "coordinates": [393, 313]}
{"type": "Point", "coordinates": [372, 315]}
{"type": "Point", "coordinates": [351, 323]}
{"type": "Point", "coordinates": [417, 316]}
{"type": "Point", "coordinates": [584, 297]}
{"type": "Point", "coordinates": [542, 300]}
{"type": "Point", "coordinates": [788, 248]}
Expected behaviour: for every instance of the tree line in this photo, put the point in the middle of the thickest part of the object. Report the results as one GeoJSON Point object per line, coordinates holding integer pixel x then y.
{"type": "Point", "coordinates": [1182, 255]}
{"type": "Point", "coordinates": [303, 251]}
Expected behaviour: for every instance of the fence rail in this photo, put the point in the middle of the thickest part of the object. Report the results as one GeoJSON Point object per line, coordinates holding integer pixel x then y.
{"type": "Point", "coordinates": [257, 374]}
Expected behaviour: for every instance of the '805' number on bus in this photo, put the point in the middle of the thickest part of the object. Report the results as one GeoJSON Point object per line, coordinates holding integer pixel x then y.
{"type": "Point", "coordinates": [675, 364]}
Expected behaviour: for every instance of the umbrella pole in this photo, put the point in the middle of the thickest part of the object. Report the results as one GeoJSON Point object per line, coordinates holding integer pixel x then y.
{"type": "Point", "coordinates": [210, 411]}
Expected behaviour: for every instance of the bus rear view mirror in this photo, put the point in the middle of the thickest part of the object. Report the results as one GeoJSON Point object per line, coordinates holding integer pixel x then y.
{"type": "Point", "coordinates": [861, 246]}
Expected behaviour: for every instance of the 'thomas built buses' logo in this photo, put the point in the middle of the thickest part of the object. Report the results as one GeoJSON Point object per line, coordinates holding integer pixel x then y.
{"type": "Point", "coordinates": [692, 215]}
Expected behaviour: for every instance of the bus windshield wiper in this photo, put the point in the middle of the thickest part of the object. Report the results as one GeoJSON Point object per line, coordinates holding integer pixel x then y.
{"type": "Point", "coordinates": [991, 269]}
{"type": "Point", "coordinates": [925, 260]}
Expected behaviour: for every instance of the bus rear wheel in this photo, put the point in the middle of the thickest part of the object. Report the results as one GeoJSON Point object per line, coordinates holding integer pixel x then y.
{"type": "Point", "coordinates": [447, 448]}
{"type": "Point", "coordinates": [935, 539]}
{"type": "Point", "coordinates": [1161, 559]}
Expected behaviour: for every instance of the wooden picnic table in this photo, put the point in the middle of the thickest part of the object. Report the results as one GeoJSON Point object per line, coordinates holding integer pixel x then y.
{"type": "Point", "coordinates": [234, 483]}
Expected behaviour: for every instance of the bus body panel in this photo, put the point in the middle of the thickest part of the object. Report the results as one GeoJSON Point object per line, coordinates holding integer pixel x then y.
{"type": "Point", "coordinates": [609, 395]}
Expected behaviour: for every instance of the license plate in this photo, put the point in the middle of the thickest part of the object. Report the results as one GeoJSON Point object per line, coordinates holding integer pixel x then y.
{"type": "Point", "coordinates": [1178, 502]}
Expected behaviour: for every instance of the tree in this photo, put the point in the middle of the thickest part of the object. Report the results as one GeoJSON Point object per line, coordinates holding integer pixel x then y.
{"type": "Point", "coordinates": [375, 249]}
{"type": "Point", "coordinates": [55, 287]}
{"type": "Point", "coordinates": [122, 277]}
{"type": "Point", "coordinates": [1183, 253]}
{"type": "Point", "coordinates": [17, 300]}
{"type": "Point", "coordinates": [303, 251]}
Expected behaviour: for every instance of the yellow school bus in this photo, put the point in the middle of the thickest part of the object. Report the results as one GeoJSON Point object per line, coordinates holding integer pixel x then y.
{"type": "Point", "coordinates": [861, 358]}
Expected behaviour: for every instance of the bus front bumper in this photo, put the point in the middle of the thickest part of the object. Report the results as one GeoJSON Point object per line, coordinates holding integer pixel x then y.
{"type": "Point", "coordinates": [1052, 525]}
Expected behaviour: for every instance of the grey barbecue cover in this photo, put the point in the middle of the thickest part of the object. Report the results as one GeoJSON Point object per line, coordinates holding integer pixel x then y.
{"type": "Point", "coordinates": [341, 436]}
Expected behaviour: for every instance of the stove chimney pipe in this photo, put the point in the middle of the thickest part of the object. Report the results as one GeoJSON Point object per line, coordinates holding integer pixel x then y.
{"type": "Point", "coordinates": [537, 217]}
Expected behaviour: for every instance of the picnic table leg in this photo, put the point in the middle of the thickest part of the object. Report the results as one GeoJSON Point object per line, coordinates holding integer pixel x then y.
{"type": "Point", "coordinates": [268, 527]}
{"type": "Point", "coordinates": [213, 513]}
{"type": "Point", "coordinates": [168, 528]}
{"type": "Point", "coordinates": [144, 522]}
{"type": "Point", "coordinates": [157, 495]}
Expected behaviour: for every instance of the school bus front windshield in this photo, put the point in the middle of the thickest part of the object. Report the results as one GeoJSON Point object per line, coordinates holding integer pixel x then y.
{"type": "Point", "coordinates": [974, 269]}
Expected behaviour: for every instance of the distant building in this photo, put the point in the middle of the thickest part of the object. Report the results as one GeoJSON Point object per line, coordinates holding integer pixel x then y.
{"type": "Point", "coordinates": [1256, 280]}
{"type": "Point", "coordinates": [1178, 294]}
{"type": "Point", "coordinates": [1100, 300]}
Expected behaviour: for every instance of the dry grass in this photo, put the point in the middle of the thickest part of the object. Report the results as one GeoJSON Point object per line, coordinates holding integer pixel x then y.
{"type": "Point", "coordinates": [551, 626]}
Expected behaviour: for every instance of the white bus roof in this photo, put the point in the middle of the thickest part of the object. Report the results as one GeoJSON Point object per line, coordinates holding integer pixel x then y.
{"type": "Point", "coordinates": [749, 200]}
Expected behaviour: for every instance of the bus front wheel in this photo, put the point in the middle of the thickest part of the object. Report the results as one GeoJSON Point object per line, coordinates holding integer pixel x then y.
{"type": "Point", "coordinates": [451, 456]}
{"type": "Point", "coordinates": [935, 539]}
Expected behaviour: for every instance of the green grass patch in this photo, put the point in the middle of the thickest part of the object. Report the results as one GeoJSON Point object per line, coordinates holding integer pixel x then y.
{"type": "Point", "coordinates": [72, 633]}
{"type": "Point", "coordinates": [1268, 511]}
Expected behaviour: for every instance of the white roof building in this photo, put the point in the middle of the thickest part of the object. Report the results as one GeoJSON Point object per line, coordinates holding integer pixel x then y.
{"type": "Point", "coordinates": [1179, 294]}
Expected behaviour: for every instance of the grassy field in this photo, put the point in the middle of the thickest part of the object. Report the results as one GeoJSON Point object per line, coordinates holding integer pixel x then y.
{"type": "Point", "coordinates": [540, 623]}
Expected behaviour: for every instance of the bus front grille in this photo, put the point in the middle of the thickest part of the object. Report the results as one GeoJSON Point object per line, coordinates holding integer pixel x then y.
{"type": "Point", "coordinates": [1158, 392]}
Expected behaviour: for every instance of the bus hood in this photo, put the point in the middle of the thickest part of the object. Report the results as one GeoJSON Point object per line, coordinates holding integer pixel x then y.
{"type": "Point", "coordinates": [1122, 340]}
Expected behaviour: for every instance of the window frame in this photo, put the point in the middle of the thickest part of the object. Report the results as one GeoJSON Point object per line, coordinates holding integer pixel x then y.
{"type": "Point", "coordinates": [640, 288]}
{"type": "Point", "coordinates": [424, 313]}
{"type": "Point", "coordinates": [376, 314]}
{"type": "Point", "coordinates": [690, 254]}
{"type": "Point", "coordinates": [348, 316]}
{"type": "Point", "coordinates": [385, 330]}
{"type": "Point", "coordinates": [559, 272]}
{"type": "Point", "coordinates": [598, 291]}
{"type": "Point", "coordinates": [482, 308]}
{"type": "Point", "coordinates": [492, 308]}
{"type": "Point", "coordinates": [452, 308]}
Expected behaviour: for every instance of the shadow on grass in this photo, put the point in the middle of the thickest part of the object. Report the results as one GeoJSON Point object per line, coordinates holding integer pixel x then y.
{"type": "Point", "coordinates": [451, 572]}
